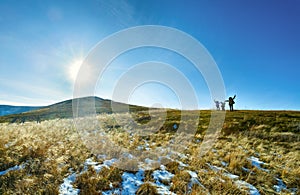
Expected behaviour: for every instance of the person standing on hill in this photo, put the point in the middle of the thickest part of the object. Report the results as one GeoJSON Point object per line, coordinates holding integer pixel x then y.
{"type": "Point", "coordinates": [231, 102]}
{"type": "Point", "coordinates": [217, 104]}
{"type": "Point", "coordinates": [222, 105]}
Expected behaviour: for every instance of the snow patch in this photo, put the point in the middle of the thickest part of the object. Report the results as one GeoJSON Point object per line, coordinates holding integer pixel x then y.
{"type": "Point", "coordinates": [252, 190]}
{"type": "Point", "coordinates": [241, 184]}
{"type": "Point", "coordinates": [215, 168]}
{"type": "Point", "coordinates": [181, 164]}
{"type": "Point", "coordinates": [109, 162]}
{"type": "Point", "coordinates": [97, 167]}
{"type": "Point", "coordinates": [163, 190]}
{"type": "Point", "coordinates": [15, 168]}
{"type": "Point", "coordinates": [231, 176]}
{"type": "Point", "coordinates": [194, 181]}
{"type": "Point", "coordinates": [66, 188]}
{"type": "Point", "coordinates": [257, 163]}
{"type": "Point", "coordinates": [245, 169]}
{"type": "Point", "coordinates": [162, 175]}
{"type": "Point", "coordinates": [131, 182]}
{"type": "Point", "coordinates": [225, 164]}
{"type": "Point", "coordinates": [116, 191]}
{"type": "Point", "coordinates": [281, 186]}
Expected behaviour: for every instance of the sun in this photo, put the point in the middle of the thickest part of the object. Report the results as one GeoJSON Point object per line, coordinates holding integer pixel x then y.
{"type": "Point", "coordinates": [73, 68]}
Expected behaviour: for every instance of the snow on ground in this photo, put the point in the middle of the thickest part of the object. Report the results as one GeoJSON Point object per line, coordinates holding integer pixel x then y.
{"type": "Point", "coordinates": [281, 186]}
{"type": "Point", "coordinates": [66, 188]}
{"type": "Point", "coordinates": [160, 177]}
{"type": "Point", "coordinates": [146, 146]}
{"type": "Point", "coordinates": [231, 176]}
{"type": "Point", "coordinates": [225, 164]}
{"type": "Point", "coordinates": [116, 191]}
{"type": "Point", "coordinates": [162, 174]}
{"type": "Point", "coordinates": [97, 166]}
{"type": "Point", "coordinates": [225, 172]}
{"type": "Point", "coordinates": [241, 184]}
{"type": "Point", "coordinates": [181, 164]}
{"type": "Point", "coordinates": [252, 190]}
{"type": "Point", "coordinates": [131, 182]}
{"type": "Point", "coordinates": [163, 190]}
{"type": "Point", "coordinates": [194, 181]}
{"type": "Point", "coordinates": [215, 168]}
{"type": "Point", "coordinates": [257, 163]}
{"type": "Point", "coordinates": [14, 168]}
{"type": "Point", "coordinates": [245, 169]}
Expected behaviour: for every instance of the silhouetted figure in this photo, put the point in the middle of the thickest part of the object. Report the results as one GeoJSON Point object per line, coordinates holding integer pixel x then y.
{"type": "Point", "coordinates": [217, 104]}
{"type": "Point", "coordinates": [222, 105]}
{"type": "Point", "coordinates": [231, 102]}
{"type": "Point", "coordinates": [38, 119]}
{"type": "Point", "coordinates": [14, 120]}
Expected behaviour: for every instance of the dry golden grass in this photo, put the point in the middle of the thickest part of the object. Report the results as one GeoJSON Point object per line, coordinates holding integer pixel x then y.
{"type": "Point", "coordinates": [180, 182]}
{"type": "Point", "coordinates": [147, 189]}
{"type": "Point", "coordinates": [52, 150]}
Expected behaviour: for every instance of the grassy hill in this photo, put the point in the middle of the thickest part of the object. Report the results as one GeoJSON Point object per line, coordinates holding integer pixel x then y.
{"type": "Point", "coordinates": [64, 110]}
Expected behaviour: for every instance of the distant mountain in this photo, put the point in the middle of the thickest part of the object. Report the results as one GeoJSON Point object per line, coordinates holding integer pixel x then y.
{"type": "Point", "coordinates": [7, 110]}
{"type": "Point", "coordinates": [64, 109]}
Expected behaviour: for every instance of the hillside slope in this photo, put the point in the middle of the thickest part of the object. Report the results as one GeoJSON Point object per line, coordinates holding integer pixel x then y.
{"type": "Point", "coordinates": [64, 109]}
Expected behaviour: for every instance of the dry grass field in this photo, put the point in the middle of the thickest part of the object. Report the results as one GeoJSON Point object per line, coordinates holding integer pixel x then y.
{"type": "Point", "coordinates": [257, 152]}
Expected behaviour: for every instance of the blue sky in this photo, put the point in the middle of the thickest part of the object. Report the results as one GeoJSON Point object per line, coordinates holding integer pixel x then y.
{"type": "Point", "coordinates": [256, 45]}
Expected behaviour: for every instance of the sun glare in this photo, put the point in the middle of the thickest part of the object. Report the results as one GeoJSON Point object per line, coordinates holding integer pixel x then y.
{"type": "Point", "coordinates": [74, 68]}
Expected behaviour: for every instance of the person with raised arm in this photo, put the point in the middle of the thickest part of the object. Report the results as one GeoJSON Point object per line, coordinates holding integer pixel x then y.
{"type": "Point", "coordinates": [231, 102]}
{"type": "Point", "coordinates": [217, 104]}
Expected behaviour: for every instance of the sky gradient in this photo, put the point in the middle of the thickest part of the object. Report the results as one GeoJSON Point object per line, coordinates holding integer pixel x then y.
{"type": "Point", "coordinates": [256, 45]}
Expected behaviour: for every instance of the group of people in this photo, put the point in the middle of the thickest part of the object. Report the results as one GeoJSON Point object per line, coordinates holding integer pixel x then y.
{"type": "Point", "coordinates": [230, 102]}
